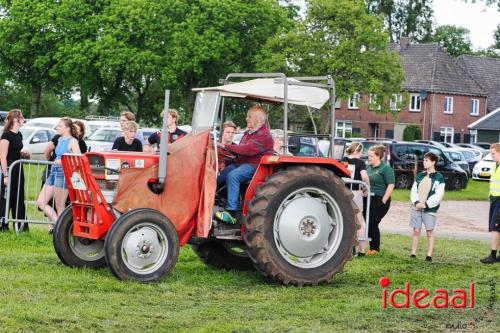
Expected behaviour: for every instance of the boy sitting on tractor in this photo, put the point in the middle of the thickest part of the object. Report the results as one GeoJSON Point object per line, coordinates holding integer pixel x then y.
{"type": "Point", "coordinates": [255, 143]}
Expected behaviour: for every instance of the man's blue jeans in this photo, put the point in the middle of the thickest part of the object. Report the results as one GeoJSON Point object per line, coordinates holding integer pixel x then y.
{"type": "Point", "coordinates": [234, 175]}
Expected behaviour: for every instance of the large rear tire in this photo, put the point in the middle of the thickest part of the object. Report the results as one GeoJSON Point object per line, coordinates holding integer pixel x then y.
{"type": "Point", "coordinates": [225, 255]}
{"type": "Point", "coordinates": [76, 251]}
{"type": "Point", "coordinates": [301, 226]}
{"type": "Point", "coordinates": [142, 245]}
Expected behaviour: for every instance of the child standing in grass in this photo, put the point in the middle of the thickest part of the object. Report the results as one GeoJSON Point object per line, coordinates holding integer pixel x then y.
{"type": "Point", "coordinates": [426, 195]}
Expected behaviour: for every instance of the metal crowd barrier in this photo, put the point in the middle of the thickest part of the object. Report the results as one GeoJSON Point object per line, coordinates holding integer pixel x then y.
{"type": "Point", "coordinates": [362, 184]}
{"type": "Point", "coordinates": [34, 173]}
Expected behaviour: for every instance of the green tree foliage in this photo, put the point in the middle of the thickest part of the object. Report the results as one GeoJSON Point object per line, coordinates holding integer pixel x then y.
{"type": "Point", "coordinates": [405, 18]}
{"type": "Point", "coordinates": [338, 38]}
{"type": "Point", "coordinates": [454, 39]}
{"type": "Point", "coordinates": [412, 133]}
{"type": "Point", "coordinates": [28, 44]}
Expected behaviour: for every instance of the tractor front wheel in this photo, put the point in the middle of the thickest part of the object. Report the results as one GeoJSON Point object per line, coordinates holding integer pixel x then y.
{"type": "Point", "coordinates": [76, 251]}
{"type": "Point", "coordinates": [301, 226]}
{"type": "Point", "coordinates": [142, 245]}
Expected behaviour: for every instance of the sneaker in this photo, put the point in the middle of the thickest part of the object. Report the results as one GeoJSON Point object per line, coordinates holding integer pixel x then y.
{"type": "Point", "coordinates": [413, 256]}
{"type": "Point", "coordinates": [428, 258]}
{"type": "Point", "coordinates": [371, 252]}
{"type": "Point", "coordinates": [489, 260]}
{"type": "Point", "coordinates": [361, 254]}
{"type": "Point", "coordinates": [226, 217]}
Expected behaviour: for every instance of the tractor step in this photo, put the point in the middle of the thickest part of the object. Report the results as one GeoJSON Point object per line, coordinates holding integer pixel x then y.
{"type": "Point", "coordinates": [226, 231]}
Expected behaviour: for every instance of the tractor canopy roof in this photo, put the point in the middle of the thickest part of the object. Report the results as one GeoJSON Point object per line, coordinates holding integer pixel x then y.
{"type": "Point", "coordinates": [272, 90]}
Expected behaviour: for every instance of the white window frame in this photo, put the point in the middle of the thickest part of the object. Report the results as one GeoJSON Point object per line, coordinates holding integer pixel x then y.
{"type": "Point", "coordinates": [415, 103]}
{"type": "Point", "coordinates": [372, 100]}
{"type": "Point", "coordinates": [353, 102]}
{"type": "Point", "coordinates": [447, 132]}
{"type": "Point", "coordinates": [346, 128]}
{"type": "Point", "coordinates": [395, 101]}
{"type": "Point", "coordinates": [475, 107]}
{"type": "Point", "coordinates": [449, 105]}
{"type": "Point", "coordinates": [473, 136]}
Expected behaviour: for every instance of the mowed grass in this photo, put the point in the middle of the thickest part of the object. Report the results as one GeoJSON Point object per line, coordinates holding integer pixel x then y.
{"type": "Point", "coordinates": [475, 190]}
{"type": "Point", "coordinates": [39, 294]}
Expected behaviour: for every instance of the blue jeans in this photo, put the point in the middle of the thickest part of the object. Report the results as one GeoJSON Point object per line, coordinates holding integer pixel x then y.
{"type": "Point", "coordinates": [234, 175]}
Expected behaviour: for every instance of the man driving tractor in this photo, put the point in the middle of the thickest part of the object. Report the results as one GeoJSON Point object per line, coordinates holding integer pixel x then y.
{"type": "Point", "coordinates": [255, 143]}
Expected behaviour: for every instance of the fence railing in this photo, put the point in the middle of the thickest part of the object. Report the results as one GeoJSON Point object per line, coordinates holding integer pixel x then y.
{"type": "Point", "coordinates": [35, 173]}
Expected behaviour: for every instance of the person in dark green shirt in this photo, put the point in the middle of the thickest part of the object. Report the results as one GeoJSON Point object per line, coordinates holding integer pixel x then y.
{"type": "Point", "coordinates": [382, 181]}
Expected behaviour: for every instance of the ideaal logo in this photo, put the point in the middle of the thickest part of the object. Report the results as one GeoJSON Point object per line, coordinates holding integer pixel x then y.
{"type": "Point", "coordinates": [422, 298]}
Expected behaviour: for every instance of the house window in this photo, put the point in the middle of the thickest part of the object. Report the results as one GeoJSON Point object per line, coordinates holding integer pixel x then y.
{"type": "Point", "coordinates": [395, 103]}
{"type": "Point", "coordinates": [354, 101]}
{"type": "Point", "coordinates": [415, 102]}
{"type": "Point", "coordinates": [447, 134]}
{"type": "Point", "coordinates": [474, 107]}
{"type": "Point", "coordinates": [473, 136]}
{"type": "Point", "coordinates": [372, 103]}
{"type": "Point", "coordinates": [337, 103]}
{"type": "Point", "coordinates": [344, 129]}
{"type": "Point", "coordinates": [448, 105]}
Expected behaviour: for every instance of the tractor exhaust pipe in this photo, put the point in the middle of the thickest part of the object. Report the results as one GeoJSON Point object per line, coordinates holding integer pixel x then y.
{"type": "Point", "coordinates": [162, 167]}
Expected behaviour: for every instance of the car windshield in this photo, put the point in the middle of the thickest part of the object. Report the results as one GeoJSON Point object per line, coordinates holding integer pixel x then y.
{"type": "Point", "coordinates": [456, 157]}
{"type": "Point", "coordinates": [104, 135]}
{"type": "Point", "coordinates": [26, 132]}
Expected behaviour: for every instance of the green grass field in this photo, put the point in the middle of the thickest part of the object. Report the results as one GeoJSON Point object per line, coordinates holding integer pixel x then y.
{"type": "Point", "coordinates": [39, 294]}
{"type": "Point", "coordinates": [476, 190]}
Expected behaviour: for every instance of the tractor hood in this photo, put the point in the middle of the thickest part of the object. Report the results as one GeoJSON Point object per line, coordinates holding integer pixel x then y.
{"type": "Point", "coordinates": [272, 90]}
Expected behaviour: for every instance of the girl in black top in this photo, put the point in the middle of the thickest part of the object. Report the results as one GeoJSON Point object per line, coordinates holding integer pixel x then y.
{"type": "Point", "coordinates": [80, 131]}
{"type": "Point", "coordinates": [11, 145]}
{"type": "Point", "coordinates": [128, 142]}
{"type": "Point", "coordinates": [357, 167]}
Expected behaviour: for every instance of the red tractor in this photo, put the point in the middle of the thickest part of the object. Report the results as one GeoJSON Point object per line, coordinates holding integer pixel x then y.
{"type": "Point", "coordinates": [132, 211]}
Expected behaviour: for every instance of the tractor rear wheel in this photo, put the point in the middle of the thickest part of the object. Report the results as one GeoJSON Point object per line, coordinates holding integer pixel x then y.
{"type": "Point", "coordinates": [76, 251]}
{"type": "Point", "coordinates": [225, 255]}
{"type": "Point", "coordinates": [301, 226]}
{"type": "Point", "coordinates": [142, 245]}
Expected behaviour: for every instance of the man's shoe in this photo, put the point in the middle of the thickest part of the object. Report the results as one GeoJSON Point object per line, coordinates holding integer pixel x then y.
{"type": "Point", "coordinates": [413, 256]}
{"type": "Point", "coordinates": [489, 260]}
{"type": "Point", "coordinates": [226, 217]}
{"type": "Point", "coordinates": [428, 258]}
{"type": "Point", "coordinates": [371, 252]}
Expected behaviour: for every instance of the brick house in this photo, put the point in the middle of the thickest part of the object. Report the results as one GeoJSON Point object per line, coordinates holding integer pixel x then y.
{"type": "Point", "coordinates": [443, 99]}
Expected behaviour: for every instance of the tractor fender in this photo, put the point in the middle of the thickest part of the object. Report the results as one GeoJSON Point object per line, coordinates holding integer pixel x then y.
{"type": "Point", "coordinates": [268, 165]}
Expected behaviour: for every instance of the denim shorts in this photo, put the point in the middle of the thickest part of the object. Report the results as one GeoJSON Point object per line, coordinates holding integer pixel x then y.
{"type": "Point", "coordinates": [56, 177]}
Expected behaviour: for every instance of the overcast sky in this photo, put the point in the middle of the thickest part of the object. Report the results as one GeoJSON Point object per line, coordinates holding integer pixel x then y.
{"type": "Point", "coordinates": [479, 19]}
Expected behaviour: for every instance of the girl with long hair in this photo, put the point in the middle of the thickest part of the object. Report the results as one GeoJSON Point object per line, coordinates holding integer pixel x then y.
{"type": "Point", "coordinates": [55, 186]}
{"type": "Point", "coordinates": [11, 150]}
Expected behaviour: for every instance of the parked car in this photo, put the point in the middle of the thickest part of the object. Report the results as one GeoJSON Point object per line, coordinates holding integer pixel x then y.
{"type": "Point", "coordinates": [457, 157]}
{"type": "Point", "coordinates": [432, 143]}
{"type": "Point", "coordinates": [483, 151]}
{"type": "Point", "coordinates": [483, 169]}
{"type": "Point", "coordinates": [406, 158]}
{"type": "Point", "coordinates": [3, 116]}
{"type": "Point", "coordinates": [35, 140]}
{"type": "Point", "coordinates": [484, 145]}
{"type": "Point", "coordinates": [102, 139]}
{"type": "Point", "coordinates": [148, 131]}
{"type": "Point", "coordinates": [94, 125]}
{"type": "Point", "coordinates": [50, 122]}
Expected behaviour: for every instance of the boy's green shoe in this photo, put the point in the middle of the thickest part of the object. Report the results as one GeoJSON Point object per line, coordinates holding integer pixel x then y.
{"type": "Point", "coordinates": [226, 217]}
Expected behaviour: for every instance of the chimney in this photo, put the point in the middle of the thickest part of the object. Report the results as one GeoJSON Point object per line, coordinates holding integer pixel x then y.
{"type": "Point", "coordinates": [404, 42]}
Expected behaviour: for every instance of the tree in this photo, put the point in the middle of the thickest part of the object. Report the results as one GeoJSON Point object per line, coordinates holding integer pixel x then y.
{"type": "Point", "coordinates": [405, 18]}
{"type": "Point", "coordinates": [454, 39]}
{"type": "Point", "coordinates": [412, 133]}
{"type": "Point", "coordinates": [338, 38]}
{"type": "Point", "coordinates": [28, 44]}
